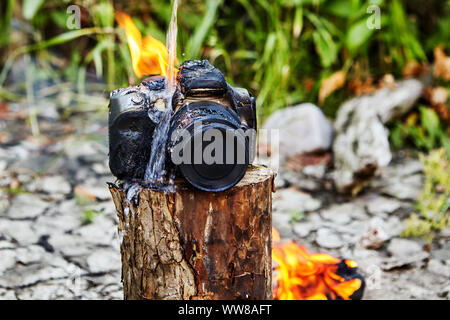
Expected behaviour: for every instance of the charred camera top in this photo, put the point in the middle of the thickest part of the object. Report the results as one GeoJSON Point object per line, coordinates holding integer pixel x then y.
{"type": "Point", "coordinates": [199, 78]}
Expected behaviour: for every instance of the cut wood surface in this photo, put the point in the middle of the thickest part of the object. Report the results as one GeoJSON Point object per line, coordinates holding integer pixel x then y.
{"type": "Point", "coordinates": [193, 244]}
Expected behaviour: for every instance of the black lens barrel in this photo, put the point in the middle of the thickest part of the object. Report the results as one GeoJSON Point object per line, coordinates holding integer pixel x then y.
{"type": "Point", "coordinates": [228, 161]}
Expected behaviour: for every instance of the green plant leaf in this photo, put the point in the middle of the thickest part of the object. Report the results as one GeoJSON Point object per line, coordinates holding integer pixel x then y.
{"type": "Point", "coordinates": [30, 7]}
{"type": "Point", "coordinates": [195, 43]}
{"type": "Point", "coordinates": [357, 35]}
{"type": "Point", "coordinates": [326, 47]}
{"type": "Point", "coordinates": [430, 121]}
{"type": "Point", "coordinates": [339, 8]}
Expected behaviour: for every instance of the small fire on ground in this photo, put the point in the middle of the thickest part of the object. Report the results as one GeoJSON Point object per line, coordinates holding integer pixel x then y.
{"type": "Point", "coordinates": [299, 275]}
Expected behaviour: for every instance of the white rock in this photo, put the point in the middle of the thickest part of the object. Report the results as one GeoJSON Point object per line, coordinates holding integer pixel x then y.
{"type": "Point", "coordinates": [360, 148]}
{"type": "Point", "coordinates": [49, 290]}
{"type": "Point", "coordinates": [388, 103]}
{"type": "Point", "coordinates": [382, 205]}
{"type": "Point", "coordinates": [290, 200]}
{"type": "Point", "coordinates": [328, 238]}
{"type": "Point", "coordinates": [26, 205]}
{"type": "Point", "coordinates": [375, 235]}
{"type": "Point", "coordinates": [103, 260]}
{"type": "Point", "coordinates": [101, 231]}
{"type": "Point", "coordinates": [20, 231]}
{"type": "Point", "coordinates": [7, 294]}
{"type": "Point", "coordinates": [404, 188]}
{"type": "Point", "coordinates": [341, 213]}
{"type": "Point", "coordinates": [302, 128]}
{"type": "Point", "coordinates": [361, 145]}
{"type": "Point", "coordinates": [303, 229]}
{"type": "Point", "coordinates": [403, 247]}
{"type": "Point", "coordinates": [282, 222]}
{"type": "Point", "coordinates": [439, 268]}
{"type": "Point", "coordinates": [53, 184]}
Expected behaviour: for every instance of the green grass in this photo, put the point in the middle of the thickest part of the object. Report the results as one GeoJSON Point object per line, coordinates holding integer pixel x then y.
{"type": "Point", "coordinates": [433, 205]}
{"type": "Point", "coordinates": [270, 47]}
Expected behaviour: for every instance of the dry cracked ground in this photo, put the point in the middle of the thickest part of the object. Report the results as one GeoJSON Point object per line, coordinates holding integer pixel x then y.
{"type": "Point", "coordinates": [58, 226]}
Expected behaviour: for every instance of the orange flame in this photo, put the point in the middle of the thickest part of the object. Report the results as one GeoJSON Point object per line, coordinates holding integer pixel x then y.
{"type": "Point", "coordinates": [149, 56]}
{"type": "Point", "coordinates": [299, 275]}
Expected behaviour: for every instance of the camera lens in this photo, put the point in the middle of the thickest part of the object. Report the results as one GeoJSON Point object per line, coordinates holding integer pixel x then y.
{"type": "Point", "coordinates": [209, 145]}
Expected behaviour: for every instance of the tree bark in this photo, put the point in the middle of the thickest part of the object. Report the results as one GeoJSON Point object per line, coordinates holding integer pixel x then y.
{"type": "Point", "coordinates": [193, 244]}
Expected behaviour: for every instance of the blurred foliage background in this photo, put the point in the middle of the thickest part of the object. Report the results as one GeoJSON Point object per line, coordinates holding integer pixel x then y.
{"type": "Point", "coordinates": [282, 50]}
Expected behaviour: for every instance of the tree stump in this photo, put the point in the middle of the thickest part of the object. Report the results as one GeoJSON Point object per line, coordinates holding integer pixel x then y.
{"type": "Point", "coordinates": [193, 244]}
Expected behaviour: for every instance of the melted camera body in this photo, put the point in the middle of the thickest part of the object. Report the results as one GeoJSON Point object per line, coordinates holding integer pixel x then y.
{"type": "Point", "coordinates": [203, 105]}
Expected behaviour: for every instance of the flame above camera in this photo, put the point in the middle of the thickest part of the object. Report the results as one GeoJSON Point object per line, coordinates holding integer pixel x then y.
{"type": "Point", "coordinates": [149, 56]}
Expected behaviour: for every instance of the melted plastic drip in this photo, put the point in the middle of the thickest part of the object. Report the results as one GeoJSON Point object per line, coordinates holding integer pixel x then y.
{"type": "Point", "coordinates": [132, 192]}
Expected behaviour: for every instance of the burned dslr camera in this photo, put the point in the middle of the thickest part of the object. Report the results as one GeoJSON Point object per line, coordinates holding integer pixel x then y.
{"type": "Point", "coordinates": [210, 128]}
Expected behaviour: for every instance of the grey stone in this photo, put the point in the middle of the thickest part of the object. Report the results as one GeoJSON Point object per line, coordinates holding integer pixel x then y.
{"type": "Point", "coordinates": [303, 182]}
{"type": "Point", "coordinates": [7, 261]}
{"type": "Point", "coordinates": [445, 232]}
{"type": "Point", "coordinates": [102, 231]}
{"type": "Point", "coordinates": [394, 226]}
{"type": "Point", "coordinates": [20, 231]}
{"type": "Point", "coordinates": [406, 167]}
{"type": "Point", "coordinates": [29, 255]}
{"type": "Point", "coordinates": [289, 200]}
{"type": "Point", "coordinates": [113, 291]}
{"type": "Point", "coordinates": [52, 224]}
{"type": "Point", "coordinates": [65, 216]}
{"type": "Point", "coordinates": [437, 267]}
{"type": "Point", "coordinates": [26, 205]}
{"type": "Point", "coordinates": [3, 165]}
{"type": "Point", "coordinates": [302, 128]}
{"type": "Point", "coordinates": [86, 151]}
{"type": "Point", "coordinates": [392, 103]}
{"type": "Point", "coordinates": [328, 238]}
{"type": "Point", "coordinates": [70, 245]}
{"type": "Point", "coordinates": [408, 188]}
{"type": "Point", "coordinates": [368, 260]}
{"type": "Point", "coordinates": [361, 145]}
{"type": "Point", "coordinates": [382, 205]}
{"type": "Point", "coordinates": [59, 289]}
{"type": "Point", "coordinates": [103, 260]}
{"type": "Point", "coordinates": [388, 103]}
{"type": "Point", "coordinates": [316, 171]}
{"type": "Point", "coordinates": [339, 213]}
{"type": "Point", "coordinates": [403, 260]}
{"type": "Point", "coordinates": [442, 253]}
{"type": "Point", "coordinates": [4, 202]}
{"type": "Point", "coordinates": [375, 235]}
{"type": "Point", "coordinates": [4, 244]}
{"type": "Point", "coordinates": [354, 228]}
{"type": "Point", "coordinates": [281, 222]}
{"type": "Point", "coordinates": [303, 229]}
{"type": "Point", "coordinates": [403, 247]}
{"type": "Point", "coordinates": [6, 294]}
{"type": "Point", "coordinates": [101, 168]}
{"type": "Point", "coordinates": [54, 184]}
{"type": "Point", "coordinates": [25, 275]}
{"type": "Point", "coordinates": [97, 189]}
